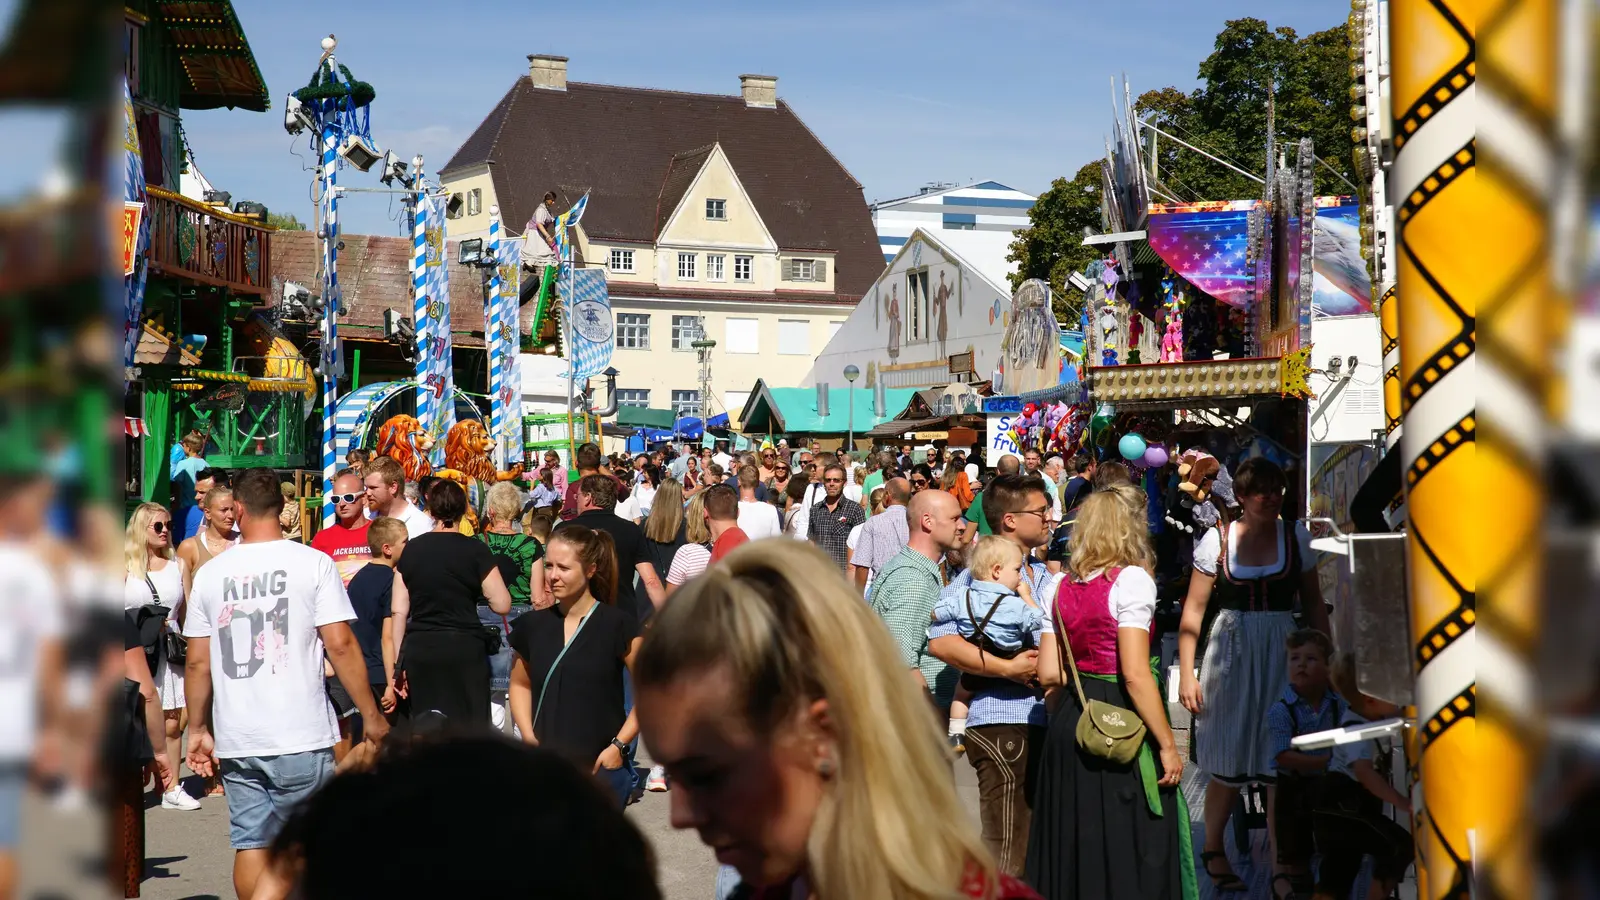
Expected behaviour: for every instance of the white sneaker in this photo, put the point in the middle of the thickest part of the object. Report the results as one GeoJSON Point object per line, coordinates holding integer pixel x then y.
{"type": "Point", "coordinates": [657, 782]}
{"type": "Point", "coordinates": [178, 799]}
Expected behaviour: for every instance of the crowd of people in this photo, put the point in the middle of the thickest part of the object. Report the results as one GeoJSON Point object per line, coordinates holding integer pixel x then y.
{"type": "Point", "coordinates": [803, 641]}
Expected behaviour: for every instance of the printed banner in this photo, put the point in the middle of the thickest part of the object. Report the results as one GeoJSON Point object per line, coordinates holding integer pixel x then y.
{"type": "Point", "coordinates": [509, 384]}
{"type": "Point", "coordinates": [431, 280]}
{"type": "Point", "coordinates": [589, 311]}
{"type": "Point", "coordinates": [136, 233]}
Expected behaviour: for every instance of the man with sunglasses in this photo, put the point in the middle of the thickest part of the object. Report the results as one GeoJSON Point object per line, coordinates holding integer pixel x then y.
{"type": "Point", "coordinates": [345, 541]}
{"type": "Point", "coordinates": [831, 518]}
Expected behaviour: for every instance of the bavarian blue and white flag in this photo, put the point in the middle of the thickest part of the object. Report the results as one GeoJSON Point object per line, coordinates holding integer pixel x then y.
{"type": "Point", "coordinates": [440, 378]}
{"type": "Point", "coordinates": [508, 380]}
{"type": "Point", "coordinates": [589, 311]}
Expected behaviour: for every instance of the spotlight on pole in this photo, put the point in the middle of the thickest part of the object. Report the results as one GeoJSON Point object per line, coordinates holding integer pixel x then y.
{"type": "Point", "coordinates": [394, 169]}
{"type": "Point", "coordinates": [295, 117]}
{"type": "Point", "coordinates": [359, 152]}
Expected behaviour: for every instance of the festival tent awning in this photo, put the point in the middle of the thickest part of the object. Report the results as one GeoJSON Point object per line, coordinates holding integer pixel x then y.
{"type": "Point", "coordinates": [688, 427]}
{"type": "Point", "coordinates": [649, 418]}
{"type": "Point", "coordinates": [773, 410]}
{"type": "Point", "coordinates": [718, 422]}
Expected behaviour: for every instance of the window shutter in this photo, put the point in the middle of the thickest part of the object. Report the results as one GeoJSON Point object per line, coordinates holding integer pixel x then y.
{"type": "Point", "coordinates": [819, 271]}
{"type": "Point", "coordinates": [788, 270]}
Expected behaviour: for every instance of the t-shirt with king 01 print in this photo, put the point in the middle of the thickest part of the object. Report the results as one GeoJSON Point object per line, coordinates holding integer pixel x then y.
{"type": "Point", "coordinates": [261, 605]}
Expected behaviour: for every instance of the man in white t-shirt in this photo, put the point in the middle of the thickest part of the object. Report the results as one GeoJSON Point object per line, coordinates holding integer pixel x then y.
{"type": "Point", "coordinates": [757, 518]}
{"type": "Point", "coordinates": [260, 618]}
{"type": "Point", "coordinates": [721, 456]}
{"type": "Point", "coordinates": [385, 484]}
{"type": "Point", "coordinates": [31, 629]}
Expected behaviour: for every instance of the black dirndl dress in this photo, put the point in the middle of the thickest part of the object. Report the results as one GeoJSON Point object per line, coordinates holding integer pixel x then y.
{"type": "Point", "coordinates": [1094, 836]}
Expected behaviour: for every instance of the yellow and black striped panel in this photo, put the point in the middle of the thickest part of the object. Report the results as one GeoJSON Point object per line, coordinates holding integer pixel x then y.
{"type": "Point", "coordinates": [1388, 322]}
{"type": "Point", "coordinates": [1433, 64]}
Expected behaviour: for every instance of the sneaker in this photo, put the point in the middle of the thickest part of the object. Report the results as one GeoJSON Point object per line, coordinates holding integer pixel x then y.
{"type": "Point", "coordinates": [958, 744]}
{"type": "Point", "coordinates": [178, 799]}
{"type": "Point", "coordinates": [657, 782]}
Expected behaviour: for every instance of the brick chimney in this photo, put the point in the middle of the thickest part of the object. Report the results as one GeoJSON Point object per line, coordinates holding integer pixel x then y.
{"type": "Point", "coordinates": [548, 72]}
{"type": "Point", "coordinates": [759, 90]}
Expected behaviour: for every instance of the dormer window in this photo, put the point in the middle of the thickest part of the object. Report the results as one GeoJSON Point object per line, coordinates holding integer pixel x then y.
{"type": "Point", "coordinates": [717, 210]}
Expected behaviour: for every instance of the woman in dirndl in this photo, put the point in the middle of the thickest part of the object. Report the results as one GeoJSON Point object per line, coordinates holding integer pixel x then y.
{"type": "Point", "coordinates": [1248, 575]}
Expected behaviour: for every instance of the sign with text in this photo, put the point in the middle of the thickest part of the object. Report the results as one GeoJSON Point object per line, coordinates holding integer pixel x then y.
{"type": "Point", "coordinates": [1000, 441]}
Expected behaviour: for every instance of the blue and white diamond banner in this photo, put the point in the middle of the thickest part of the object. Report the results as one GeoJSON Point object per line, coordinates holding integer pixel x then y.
{"type": "Point", "coordinates": [589, 310]}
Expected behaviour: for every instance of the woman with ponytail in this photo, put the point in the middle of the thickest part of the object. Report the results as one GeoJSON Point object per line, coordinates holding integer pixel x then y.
{"type": "Point", "coordinates": [798, 746]}
{"type": "Point", "coordinates": [567, 675]}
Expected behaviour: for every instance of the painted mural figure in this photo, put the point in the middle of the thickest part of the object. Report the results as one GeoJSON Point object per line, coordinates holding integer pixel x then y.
{"type": "Point", "coordinates": [893, 311]}
{"type": "Point", "coordinates": [941, 305]}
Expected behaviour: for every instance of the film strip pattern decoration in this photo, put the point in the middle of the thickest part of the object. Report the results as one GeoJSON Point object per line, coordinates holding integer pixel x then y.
{"type": "Point", "coordinates": [1431, 87]}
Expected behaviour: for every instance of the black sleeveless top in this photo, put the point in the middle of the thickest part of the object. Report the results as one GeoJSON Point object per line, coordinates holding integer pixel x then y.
{"type": "Point", "coordinates": [1274, 592]}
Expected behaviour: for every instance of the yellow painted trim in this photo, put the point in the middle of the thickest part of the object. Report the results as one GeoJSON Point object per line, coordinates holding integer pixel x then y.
{"type": "Point", "coordinates": [207, 208]}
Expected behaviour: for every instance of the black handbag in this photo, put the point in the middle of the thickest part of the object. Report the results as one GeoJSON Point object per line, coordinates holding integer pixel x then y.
{"type": "Point", "coordinates": [172, 645]}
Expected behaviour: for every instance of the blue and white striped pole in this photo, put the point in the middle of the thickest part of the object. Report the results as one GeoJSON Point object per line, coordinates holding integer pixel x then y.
{"type": "Point", "coordinates": [494, 343]}
{"type": "Point", "coordinates": [422, 320]}
{"type": "Point", "coordinates": [330, 309]}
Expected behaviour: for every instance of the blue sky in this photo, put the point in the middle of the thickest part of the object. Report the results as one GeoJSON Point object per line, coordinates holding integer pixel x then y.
{"type": "Point", "coordinates": [902, 93]}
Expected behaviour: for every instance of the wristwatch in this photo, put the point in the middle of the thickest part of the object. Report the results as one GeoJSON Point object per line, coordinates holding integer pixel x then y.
{"type": "Point", "coordinates": [621, 747]}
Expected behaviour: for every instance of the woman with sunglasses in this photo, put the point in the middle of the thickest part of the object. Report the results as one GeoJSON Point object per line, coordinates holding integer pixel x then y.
{"type": "Point", "coordinates": [216, 534]}
{"type": "Point", "coordinates": [1253, 572]}
{"type": "Point", "coordinates": [156, 578]}
{"type": "Point", "coordinates": [768, 468]}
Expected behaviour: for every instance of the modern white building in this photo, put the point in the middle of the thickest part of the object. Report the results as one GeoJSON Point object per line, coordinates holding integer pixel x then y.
{"type": "Point", "coordinates": [987, 207]}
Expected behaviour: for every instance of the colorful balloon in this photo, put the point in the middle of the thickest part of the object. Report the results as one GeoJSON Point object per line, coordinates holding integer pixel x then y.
{"type": "Point", "coordinates": [1155, 456]}
{"type": "Point", "coordinates": [1029, 409]}
{"type": "Point", "coordinates": [1132, 447]}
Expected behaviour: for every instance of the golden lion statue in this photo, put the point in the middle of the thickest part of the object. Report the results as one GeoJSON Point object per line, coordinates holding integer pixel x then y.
{"type": "Point", "coordinates": [404, 440]}
{"type": "Point", "coordinates": [467, 455]}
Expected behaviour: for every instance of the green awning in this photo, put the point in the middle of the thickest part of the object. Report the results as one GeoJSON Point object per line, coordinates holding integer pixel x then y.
{"type": "Point", "coordinates": [640, 416]}
{"type": "Point", "coordinates": [794, 410]}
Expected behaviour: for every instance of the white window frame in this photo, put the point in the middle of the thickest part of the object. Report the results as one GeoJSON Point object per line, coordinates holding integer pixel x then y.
{"type": "Point", "coordinates": [638, 398]}
{"type": "Point", "coordinates": [635, 328]}
{"type": "Point", "coordinates": [686, 403]}
{"type": "Point", "coordinates": [716, 268]}
{"type": "Point", "coordinates": [754, 327]}
{"type": "Point", "coordinates": [799, 266]}
{"type": "Point", "coordinates": [684, 332]}
{"type": "Point", "coordinates": [787, 349]}
{"type": "Point", "coordinates": [748, 264]}
{"type": "Point", "coordinates": [686, 266]}
{"type": "Point", "coordinates": [918, 306]}
{"type": "Point", "coordinates": [716, 210]}
{"type": "Point", "coordinates": [619, 256]}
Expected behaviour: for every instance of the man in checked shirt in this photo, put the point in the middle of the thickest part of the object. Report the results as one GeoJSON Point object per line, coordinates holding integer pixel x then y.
{"type": "Point", "coordinates": [833, 517]}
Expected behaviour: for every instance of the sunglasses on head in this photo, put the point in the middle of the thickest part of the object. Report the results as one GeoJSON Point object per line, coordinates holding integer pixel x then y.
{"type": "Point", "coordinates": [348, 498]}
{"type": "Point", "coordinates": [158, 527]}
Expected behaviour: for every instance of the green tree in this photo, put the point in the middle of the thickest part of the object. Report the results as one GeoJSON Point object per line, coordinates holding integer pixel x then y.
{"type": "Point", "coordinates": [1051, 247]}
{"type": "Point", "coordinates": [285, 222]}
{"type": "Point", "coordinates": [1227, 115]}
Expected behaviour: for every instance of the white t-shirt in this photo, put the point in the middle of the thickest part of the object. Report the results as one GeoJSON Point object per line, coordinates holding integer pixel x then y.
{"type": "Point", "coordinates": [416, 521]}
{"type": "Point", "coordinates": [802, 518]}
{"type": "Point", "coordinates": [30, 614]}
{"type": "Point", "coordinates": [1208, 550]}
{"type": "Point", "coordinates": [627, 509]}
{"type": "Point", "coordinates": [759, 519]}
{"type": "Point", "coordinates": [723, 460]}
{"type": "Point", "coordinates": [261, 604]}
{"type": "Point", "coordinates": [1132, 599]}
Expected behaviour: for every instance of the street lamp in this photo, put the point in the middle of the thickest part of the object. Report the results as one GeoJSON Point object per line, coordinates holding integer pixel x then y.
{"type": "Point", "coordinates": [850, 375]}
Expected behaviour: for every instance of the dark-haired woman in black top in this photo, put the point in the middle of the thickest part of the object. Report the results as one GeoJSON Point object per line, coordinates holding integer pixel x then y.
{"type": "Point", "coordinates": [437, 586]}
{"type": "Point", "coordinates": [567, 675]}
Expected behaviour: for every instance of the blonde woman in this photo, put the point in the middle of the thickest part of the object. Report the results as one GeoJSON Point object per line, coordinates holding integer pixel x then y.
{"type": "Point", "coordinates": [215, 536]}
{"type": "Point", "coordinates": [797, 746]}
{"type": "Point", "coordinates": [156, 578]}
{"type": "Point", "coordinates": [664, 528]}
{"type": "Point", "coordinates": [695, 555]}
{"type": "Point", "coordinates": [1103, 829]}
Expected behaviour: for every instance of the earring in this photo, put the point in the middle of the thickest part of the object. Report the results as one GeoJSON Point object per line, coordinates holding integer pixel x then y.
{"type": "Point", "coordinates": [825, 767]}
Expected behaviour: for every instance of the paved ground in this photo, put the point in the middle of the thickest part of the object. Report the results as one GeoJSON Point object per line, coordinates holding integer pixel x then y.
{"type": "Point", "coordinates": [187, 854]}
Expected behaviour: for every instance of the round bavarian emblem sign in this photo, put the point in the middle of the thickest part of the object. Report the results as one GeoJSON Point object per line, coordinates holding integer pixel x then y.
{"type": "Point", "coordinates": [592, 320]}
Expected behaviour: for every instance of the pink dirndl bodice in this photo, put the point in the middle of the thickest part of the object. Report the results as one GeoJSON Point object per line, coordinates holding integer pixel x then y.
{"type": "Point", "coordinates": [1085, 608]}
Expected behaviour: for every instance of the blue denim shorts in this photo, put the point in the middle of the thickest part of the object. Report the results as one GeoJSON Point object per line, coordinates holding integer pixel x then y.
{"type": "Point", "coordinates": [264, 790]}
{"type": "Point", "coordinates": [500, 663]}
{"type": "Point", "coordinates": [13, 781]}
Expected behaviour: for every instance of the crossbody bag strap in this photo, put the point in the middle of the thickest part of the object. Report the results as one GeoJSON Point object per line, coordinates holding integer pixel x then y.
{"type": "Point", "coordinates": [540, 707]}
{"type": "Point", "coordinates": [155, 595]}
{"type": "Point", "coordinates": [1064, 650]}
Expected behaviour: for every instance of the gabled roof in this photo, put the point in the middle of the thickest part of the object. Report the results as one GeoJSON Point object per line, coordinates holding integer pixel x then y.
{"type": "Point", "coordinates": [375, 275]}
{"type": "Point", "coordinates": [791, 410]}
{"type": "Point", "coordinates": [946, 243]}
{"type": "Point", "coordinates": [625, 146]}
{"type": "Point", "coordinates": [681, 172]}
